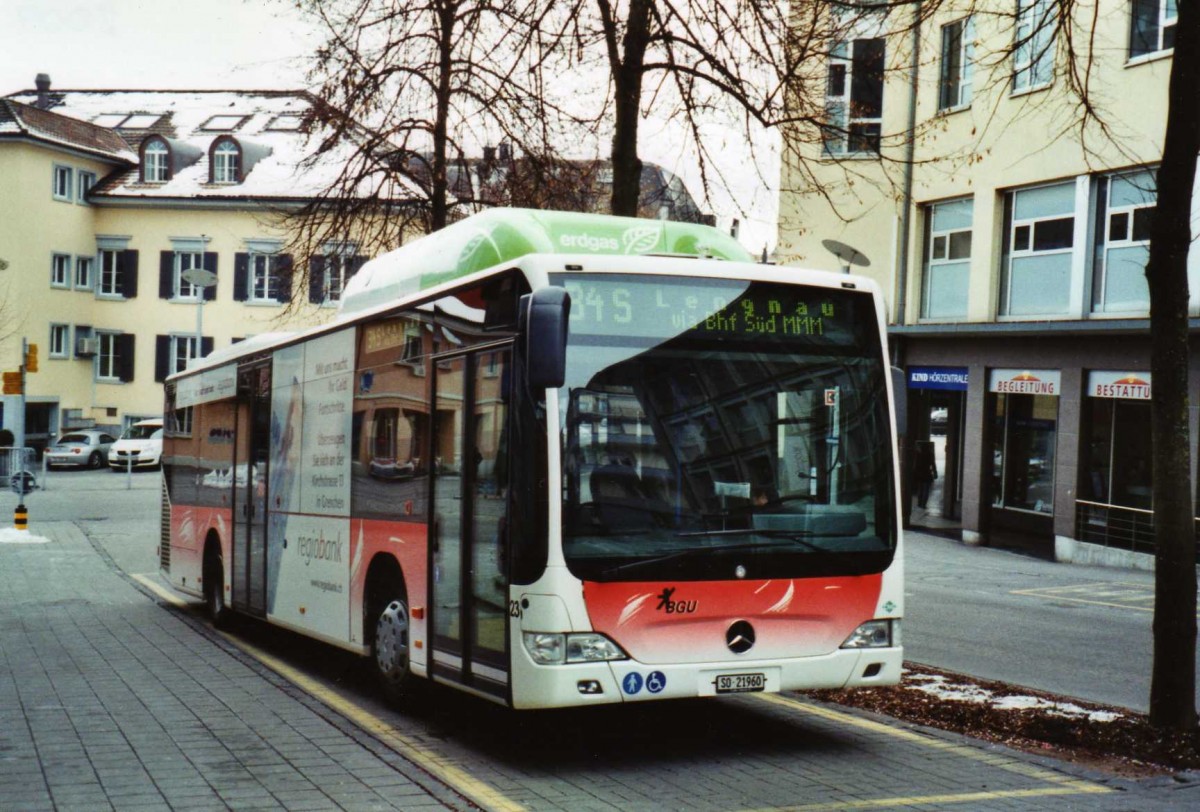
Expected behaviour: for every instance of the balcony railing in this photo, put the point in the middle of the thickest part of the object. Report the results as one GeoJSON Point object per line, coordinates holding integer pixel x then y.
{"type": "Point", "coordinates": [1122, 528]}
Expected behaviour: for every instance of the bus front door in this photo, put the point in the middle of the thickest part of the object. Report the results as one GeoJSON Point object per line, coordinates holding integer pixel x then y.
{"type": "Point", "coordinates": [470, 505]}
{"type": "Point", "coordinates": [249, 562]}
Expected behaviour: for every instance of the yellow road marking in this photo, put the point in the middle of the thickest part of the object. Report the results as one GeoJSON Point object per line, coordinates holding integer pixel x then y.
{"type": "Point", "coordinates": [925, 800]}
{"type": "Point", "coordinates": [158, 589]}
{"type": "Point", "coordinates": [1126, 592]}
{"type": "Point", "coordinates": [1061, 784]}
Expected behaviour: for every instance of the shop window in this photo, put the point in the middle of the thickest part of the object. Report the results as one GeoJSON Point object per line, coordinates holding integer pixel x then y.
{"type": "Point", "coordinates": [1033, 48]}
{"type": "Point", "coordinates": [1124, 210]}
{"type": "Point", "coordinates": [1117, 469]}
{"type": "Point", "coordinates": [947, 259]}
{"type": "Point", "coordinates": [1152, 27]}
{"type": "Point", "coordinates": [1039, 244]}
{"type": "Point", "coordinates": [956, 74]}
{"type": "Point", "coordinates": [1023, 438]}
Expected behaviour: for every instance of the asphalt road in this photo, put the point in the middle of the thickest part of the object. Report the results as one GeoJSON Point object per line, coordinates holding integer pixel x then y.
{"type": "Point", "coordinates": [1078, 631]}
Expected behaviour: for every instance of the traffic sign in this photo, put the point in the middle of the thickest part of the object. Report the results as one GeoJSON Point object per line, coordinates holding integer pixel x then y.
{"type": "Point", "coordinates": [31, 358]}
{"type": "Point", "coordinates": [12, 383]}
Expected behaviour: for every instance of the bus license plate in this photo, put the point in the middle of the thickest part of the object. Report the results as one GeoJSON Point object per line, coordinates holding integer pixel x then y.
{"type": "Point", "coordinates": [740, 683]}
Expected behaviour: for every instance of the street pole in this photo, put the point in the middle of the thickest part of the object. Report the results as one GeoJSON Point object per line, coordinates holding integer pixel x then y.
{"type": "Point", "coordinates": [19, 440]}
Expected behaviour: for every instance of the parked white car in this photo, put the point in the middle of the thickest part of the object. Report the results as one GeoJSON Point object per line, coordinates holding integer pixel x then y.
{"type": "Point", "coordinates": [140, 444]}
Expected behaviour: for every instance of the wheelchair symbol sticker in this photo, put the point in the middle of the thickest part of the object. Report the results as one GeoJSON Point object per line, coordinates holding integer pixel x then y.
{"type": "Point", "coordinates": [632, 683]}
{"type": "Point", "coordinates": [656, 682]}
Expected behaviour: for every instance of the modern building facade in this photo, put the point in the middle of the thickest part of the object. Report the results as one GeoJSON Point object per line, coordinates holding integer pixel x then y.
{"type": "Point", "coordinates": [1011, 233]}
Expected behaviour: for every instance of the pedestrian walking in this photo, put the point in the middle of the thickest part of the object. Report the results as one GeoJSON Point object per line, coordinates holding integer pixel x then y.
{"type": "Point", "coordinates": [924, 471]}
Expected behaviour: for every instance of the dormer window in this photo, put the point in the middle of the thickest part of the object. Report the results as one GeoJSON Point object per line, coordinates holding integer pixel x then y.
{"type": "Point", "coordinates": [156, 161]}
{"type": "Point", "coordinates": [226, 161]}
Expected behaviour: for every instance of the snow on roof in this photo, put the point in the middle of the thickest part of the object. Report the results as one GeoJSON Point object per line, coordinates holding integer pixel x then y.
{"type": "Point", "coordinates": [268, 119]}
{"type": "Point", "coordinates": [60, 130]}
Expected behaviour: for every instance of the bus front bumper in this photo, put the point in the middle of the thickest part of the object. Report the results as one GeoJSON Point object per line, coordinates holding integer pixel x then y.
{"type": "Point", "coordinates": [537, 686]}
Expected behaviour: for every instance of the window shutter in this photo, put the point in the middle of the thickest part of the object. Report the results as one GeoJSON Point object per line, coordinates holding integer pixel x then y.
{"type": "Point", "coordinates": [241, 277]}
{"type": "Point", "coordinates": [206, 346]}
{"type": "Point", "coordinates": [162, 357]}
{"type": "Point", "coordinates": [316, 279]}
{"type": "Point", "coordinates": [210, 264]}
{"type": "Point", "coordinates": [124, 363]}
{"type": "Point", "coordinates": [127, 269]}
{"type": "Point", "coordinates": [284, 270]}
{"type": "Point", "coordinates": [166, 274]}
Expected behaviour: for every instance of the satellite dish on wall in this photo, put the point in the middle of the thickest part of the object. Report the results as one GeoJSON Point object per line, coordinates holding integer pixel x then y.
{"type": "Point", "coordinates": [847, 255]}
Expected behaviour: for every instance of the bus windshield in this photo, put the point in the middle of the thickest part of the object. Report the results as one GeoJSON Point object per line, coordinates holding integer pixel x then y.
{"type": "Point", "coordinates": [718, 429]}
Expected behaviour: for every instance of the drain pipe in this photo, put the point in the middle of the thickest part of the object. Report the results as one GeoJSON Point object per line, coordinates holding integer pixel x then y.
{"type": "Point", "coordinates": [898, 359]}
{"type": "Point", "coordinates": [909, 154]}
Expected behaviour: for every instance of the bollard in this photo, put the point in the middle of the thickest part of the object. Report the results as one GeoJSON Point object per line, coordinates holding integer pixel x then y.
{"type": "Point", "coordinates": [21, 518]}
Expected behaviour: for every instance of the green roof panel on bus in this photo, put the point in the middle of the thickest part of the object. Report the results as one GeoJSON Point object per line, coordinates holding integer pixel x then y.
{"type": "Point", "coordinates": [497, 236]}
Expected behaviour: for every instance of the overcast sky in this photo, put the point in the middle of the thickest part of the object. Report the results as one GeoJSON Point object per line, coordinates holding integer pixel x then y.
{"type": "Point", "coordinates": [228, 44]}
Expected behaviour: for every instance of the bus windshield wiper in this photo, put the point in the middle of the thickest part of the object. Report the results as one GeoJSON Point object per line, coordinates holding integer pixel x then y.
{"type": "Point", "coordinates": [750, 546]}
{"type": "Point", "coordinates": [800, 537]}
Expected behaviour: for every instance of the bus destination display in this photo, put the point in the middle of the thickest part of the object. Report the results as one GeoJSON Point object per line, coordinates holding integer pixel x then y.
{"type": "Point", "coordinates": [642, 306]}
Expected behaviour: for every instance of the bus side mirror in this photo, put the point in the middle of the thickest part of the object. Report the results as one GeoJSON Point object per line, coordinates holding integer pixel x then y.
{"type": "Point", "coordinates": [545, 313]}
{"type": "Point", "coordinates": [900, 396]}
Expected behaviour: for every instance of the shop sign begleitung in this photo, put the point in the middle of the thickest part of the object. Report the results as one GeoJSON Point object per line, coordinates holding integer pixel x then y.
{"type": "Point", "coordinates": [1025, 381]}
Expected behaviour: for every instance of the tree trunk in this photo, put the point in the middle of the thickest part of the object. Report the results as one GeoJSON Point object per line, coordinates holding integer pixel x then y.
{"type": "Point", "coordinates": [627, 79]}
{"type": "Point", "coordinates": [437, 182]}
{"type": "Point", "coordinates": [1173, 683]}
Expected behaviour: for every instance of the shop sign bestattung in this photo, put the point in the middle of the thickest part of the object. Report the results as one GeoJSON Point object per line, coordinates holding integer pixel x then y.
{"type": "Point", "coordinates": [1120, 385]}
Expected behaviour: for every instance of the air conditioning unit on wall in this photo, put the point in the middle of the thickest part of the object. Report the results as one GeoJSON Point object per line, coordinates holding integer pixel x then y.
{"type": "Point", "coordinates": [86, 347]}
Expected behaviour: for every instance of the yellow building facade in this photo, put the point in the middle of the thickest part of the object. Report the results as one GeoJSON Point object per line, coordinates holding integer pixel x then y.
{"type": "Point", "coordinates": [107, 200]}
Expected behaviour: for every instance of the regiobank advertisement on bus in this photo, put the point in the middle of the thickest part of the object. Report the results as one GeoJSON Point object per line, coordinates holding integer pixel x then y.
{"type": "Point", "coordinates": [557, 459]}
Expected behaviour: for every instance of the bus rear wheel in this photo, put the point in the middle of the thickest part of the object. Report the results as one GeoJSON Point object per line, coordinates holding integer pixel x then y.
{"type": "Point", "coordinates": [390, 649]}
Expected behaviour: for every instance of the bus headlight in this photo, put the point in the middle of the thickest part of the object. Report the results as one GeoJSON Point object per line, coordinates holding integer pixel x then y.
{"type": "Point", "coordinates": [874, 634]}
{"type": "Point", "coordinates": [555, 649]}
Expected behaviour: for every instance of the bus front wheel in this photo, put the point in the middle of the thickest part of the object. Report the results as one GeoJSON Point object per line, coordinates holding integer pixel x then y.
{"type": "Point", "coordinates": [390, 649]}
{"type": "Point", "coordinates": [214, 591]}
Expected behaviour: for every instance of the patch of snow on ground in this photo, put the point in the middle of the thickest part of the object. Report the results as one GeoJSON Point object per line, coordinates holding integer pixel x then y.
{"type": "Point", "coordinates": [938, 686]}
{"type": "Point", "coordinates": [11, 535]}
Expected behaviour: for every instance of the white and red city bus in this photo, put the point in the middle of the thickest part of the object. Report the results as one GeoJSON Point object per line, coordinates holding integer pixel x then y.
{"type": "Point", "coordinates": [557, 459]}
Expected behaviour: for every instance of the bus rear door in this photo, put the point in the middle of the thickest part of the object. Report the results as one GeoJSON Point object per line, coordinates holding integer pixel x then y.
{"type": "Point", "coordinates": [469, 510]}
{"type": "Point", "coordinates": [249, 558]}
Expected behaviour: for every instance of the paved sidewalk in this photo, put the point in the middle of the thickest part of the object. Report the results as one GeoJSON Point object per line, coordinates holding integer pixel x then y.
{"type": "Point", "coordinates": [110, 701]}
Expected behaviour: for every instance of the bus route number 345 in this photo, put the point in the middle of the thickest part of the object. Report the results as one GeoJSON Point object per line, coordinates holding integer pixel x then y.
{"type": "Point", "coordinates": [740, 683]}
